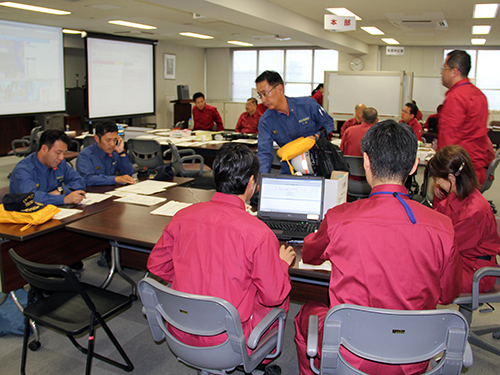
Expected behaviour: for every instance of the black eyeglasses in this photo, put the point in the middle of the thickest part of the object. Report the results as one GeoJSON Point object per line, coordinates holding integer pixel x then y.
{"type": "Point", "coordinates": [265, 94]}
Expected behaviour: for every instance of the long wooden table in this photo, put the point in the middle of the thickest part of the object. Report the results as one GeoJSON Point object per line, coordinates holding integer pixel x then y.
{"type": "Point", "coordinates": [135, 232]}
{"type": "Point", "coordinates": [50, 243]}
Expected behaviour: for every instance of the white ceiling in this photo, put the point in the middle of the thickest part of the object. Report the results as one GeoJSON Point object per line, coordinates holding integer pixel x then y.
{"type": "Point", "coordinates": [259, 21]}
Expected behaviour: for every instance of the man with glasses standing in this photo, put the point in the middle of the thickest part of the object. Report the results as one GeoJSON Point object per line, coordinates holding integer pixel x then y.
{"type": "Point", "coordinates": [463, 119]}
{"type": "Point", "coordinates": [286, 119]}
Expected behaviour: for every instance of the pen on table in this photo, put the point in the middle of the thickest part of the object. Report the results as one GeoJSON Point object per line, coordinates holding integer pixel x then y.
{"type": "Point", "coordinates": [71, 189]}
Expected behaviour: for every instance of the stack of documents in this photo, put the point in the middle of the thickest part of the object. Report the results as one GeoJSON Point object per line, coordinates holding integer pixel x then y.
{"type": "Point", "coordinates": [91, 198]}
{"type": "Point", "coordinates": [147, 187]}
{"type": "Point", "coordinates": [170, 208]}
{"type": "Point", "coordinates": [142, 200]}
{"type": "Point", "coordinates": [325, 266]}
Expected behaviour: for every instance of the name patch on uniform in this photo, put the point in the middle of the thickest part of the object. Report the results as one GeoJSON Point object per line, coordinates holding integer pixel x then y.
{"type": "Point", "coordinates": [60, 178]}
{"type": "Point", "coordinates": [98, 167]}
{"type": "Point", "coordinates": [305, 119]}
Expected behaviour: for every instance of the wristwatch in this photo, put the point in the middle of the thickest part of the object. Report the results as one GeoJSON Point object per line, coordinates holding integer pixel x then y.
{"type": "Point", "coordinates": [60, 190]}
{"type": "Point", "coordinates": [122, 153]}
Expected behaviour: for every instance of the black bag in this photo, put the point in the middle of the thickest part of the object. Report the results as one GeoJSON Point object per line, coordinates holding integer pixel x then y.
{"type": "Point", "coordinates": [328, 158]}
{"type": "Point", "coordinates": [164, 173]}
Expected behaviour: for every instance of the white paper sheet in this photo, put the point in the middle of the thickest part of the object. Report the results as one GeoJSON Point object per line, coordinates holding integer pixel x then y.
{"type": "Point", "coordinates": [326, 265]}
{"type": "Point", "coordinates": [147, 187]}
{"type": "Point", "coordinates": [142, 200]}
{"type": "Point", "coordinates": [170, 208]}
{"type": "Point", "coordinates": [66, 212]}
{"type": "Point", "coordinates": [91, 198]}
{"type": "Point", "coordinates": [246, 141]}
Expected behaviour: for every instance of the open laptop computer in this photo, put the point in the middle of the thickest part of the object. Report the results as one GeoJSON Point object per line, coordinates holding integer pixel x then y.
{"type": "Point", "coordinates": [292, 206]}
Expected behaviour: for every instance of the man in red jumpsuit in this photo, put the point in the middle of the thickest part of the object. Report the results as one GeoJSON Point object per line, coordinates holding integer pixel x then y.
{"type": "Point", "coordinates": [351, 141]}
{"type": "Point", "coordinates": [248, 121]}
{"type": "Point", "coordinates": [356, 120]}
{"type": "Point", "coordinates": [205, 116]}
{"type": "Point", "coordinates": [386, 251]}
{"type": "Point", "coordinates": [463, 119]}
{"type": "Point", "coordinates": [408, 116]}
{"type": "Point", "coordinates": [218, 249]}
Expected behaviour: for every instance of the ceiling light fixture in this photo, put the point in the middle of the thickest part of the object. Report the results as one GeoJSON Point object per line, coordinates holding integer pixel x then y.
{"type": "Point", "coordinates": [478, 41]}
{"type": "Point", "coordinates": [132, 24]}
{"type": "Point", "coordinates": [372, 30]}
{"type": "Point", "coordinates": [34, 8]}
{"type": "Point", "coordinates": [390, 40]}
{"type": "Point", "coordinates": [344, 12]}
{"type": "Point", "coordinates": [69, 31]}
{"type": "Point", "coordinates": [195, 35]}
{"type": "Point", "coordinates": [485, 11]}
{"type": "Point", "coordinates": [481, 29]}
{"type": "Point", "coordinates": [238, 43]}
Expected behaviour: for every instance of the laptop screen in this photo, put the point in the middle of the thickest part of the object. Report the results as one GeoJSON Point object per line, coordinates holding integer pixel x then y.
{"type": "Point", "coordinates": [285, 196]}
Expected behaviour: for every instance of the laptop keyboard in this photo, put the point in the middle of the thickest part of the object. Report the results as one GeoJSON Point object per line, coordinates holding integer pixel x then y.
{"type": "Point", "coordinates": [294, 227]}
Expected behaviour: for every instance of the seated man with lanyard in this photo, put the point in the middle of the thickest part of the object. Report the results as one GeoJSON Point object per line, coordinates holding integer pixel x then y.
{"type": "Point", "coordinates": [47, 174]}
{"type": "Point", "coordinates": [286, 119]}
{"type": "Point", "coordinates": [386, 251]}
{"type": "Point", "coordinates": [235, 255]}
{"type": "Point", "coordinates": [99, 163]}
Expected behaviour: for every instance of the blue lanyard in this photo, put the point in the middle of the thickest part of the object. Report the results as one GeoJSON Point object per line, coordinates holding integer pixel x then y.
{"type": "Point", "coordinates": [397, 195]}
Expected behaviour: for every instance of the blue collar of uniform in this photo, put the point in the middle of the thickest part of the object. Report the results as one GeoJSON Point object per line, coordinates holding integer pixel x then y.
{"type": "Point", "coordinates": [405, 205]}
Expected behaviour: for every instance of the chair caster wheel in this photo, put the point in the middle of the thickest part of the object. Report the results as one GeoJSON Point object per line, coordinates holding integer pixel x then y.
{"type": "Point", "coordinates": [101, 262]}
{"type": "Point", "coordinates": [34, 346]}
{"type": "Point", "coordinates": [496, 335]}
{"type": "Point", "coordinates": [133, 297]}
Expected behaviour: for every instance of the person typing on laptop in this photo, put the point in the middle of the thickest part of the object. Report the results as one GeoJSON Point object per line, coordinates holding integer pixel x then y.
{"type": "Point", "coordinates": [218, 249]}
{"type": "Point", "coordinates": [387, 251]}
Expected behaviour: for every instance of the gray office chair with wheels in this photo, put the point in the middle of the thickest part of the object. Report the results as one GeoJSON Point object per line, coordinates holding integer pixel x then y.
{"type": "Point", "coordinates": [390, 336]}
{"type": "Point", "coordinates": [58, 300]}
{"type": "Point", "coordinates": [209, 316]}
{"type": "Point", "coordinates": [88, 140]}
{"type": "Point", "coordinates": [490, 173]}
{"type": "Point", "coordinates": [26, 145]}
{"type": "Point", "coordinates": [470, 302]}
{"type": "Point", "coordinates": [145, 153]}
{"type": "Point", "coordinates": [359, 187]}
{"type": "Point", "coordinates": [186, 166]}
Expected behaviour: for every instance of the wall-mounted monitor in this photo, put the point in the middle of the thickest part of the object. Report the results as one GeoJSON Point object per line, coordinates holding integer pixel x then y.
{"type": "Point", "coordinates": [31, 69]}
{"type": "Point", "coordinates": [120, 76]}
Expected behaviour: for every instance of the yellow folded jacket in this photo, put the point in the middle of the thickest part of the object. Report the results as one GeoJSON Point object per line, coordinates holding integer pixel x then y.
{"type": "Point", "coordinates": [29, 218]}
{"type": "Point", "coordinates": [295, 148]}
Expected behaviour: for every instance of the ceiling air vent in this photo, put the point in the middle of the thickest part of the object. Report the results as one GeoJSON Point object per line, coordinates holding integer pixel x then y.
{"type": "Point", "coordinates": [420, 24]}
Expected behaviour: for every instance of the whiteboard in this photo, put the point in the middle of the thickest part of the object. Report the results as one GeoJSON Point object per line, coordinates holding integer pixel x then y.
{"type": "Point", "coordinates": [380, 90]}
{"type": "Point", "coordinates": [428, 92]}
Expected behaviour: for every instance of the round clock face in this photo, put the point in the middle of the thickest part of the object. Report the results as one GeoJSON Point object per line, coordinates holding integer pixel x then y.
{"type": "Point", "coordinates": [357, 64]}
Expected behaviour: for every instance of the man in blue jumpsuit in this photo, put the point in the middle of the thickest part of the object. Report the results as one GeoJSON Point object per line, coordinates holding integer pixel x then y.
{"type": "Point", "coordinates": [286, 119]}
{"type": "Point", "coordinates": [47, 174]}
{"type": "Point", "coordinates": [99, 163]}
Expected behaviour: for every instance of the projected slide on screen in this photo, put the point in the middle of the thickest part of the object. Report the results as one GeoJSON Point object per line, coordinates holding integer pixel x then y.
{"type": "Point", "coordinates": [120, 78]}
{"type": "Point", "coordinates": [31, 69]}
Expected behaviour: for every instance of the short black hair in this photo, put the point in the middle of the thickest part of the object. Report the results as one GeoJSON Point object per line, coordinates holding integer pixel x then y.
{"type": "Point", "coordinates": [198, 95]}
{"type": "Point", "coordinates": [461, 60]}
{"type": "Point", "coordinates": [454, 159]}
{"type": "Point", "coordinates": [105, 126]}
{"type": "Point", "coordinates": [320, 86]}
{"type": "Point", "coordinates": [413, 108]}
{"type": "Point", "coordinates": [370, 115]}
{"type": "Point", "coordinates": [49, 137]}
{"type": "Point", "coordinates": [273, 78]}
{"type": "Point", "coordinates": [392, 149]}
{"type": "Point", "coordinates": [233, 166]}
{"type": "Point", "coordinates": [253, 100]}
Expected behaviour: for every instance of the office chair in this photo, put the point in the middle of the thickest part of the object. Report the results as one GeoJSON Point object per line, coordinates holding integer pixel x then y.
{"type": "Point", "coordinates": [469, 302]}
{"type": "Point", "coordinates": [186, 166]}
{"type": "Point", "coordinates": [209, 316]}
{"type": "Point", "coordinates": [390, 336]}
{"type": "Point", "coordinates": [490, 173]}
{"type": "Point", "coordinates": [26, 145]}
{"type": "Point", "coordinates": [357, 188]}
{"type": "Point", "coordinates": [145, 153]}
{"type": "Point", "coordinates": [88, 140]}
{"type": "Point", "coordinates": [58, 300]}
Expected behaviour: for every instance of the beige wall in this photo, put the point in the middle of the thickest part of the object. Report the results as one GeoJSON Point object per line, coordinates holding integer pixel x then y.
{"type": "Point", "coordinates": [423, 61]}
{"type": "Point", "coordinates": [218, 74]}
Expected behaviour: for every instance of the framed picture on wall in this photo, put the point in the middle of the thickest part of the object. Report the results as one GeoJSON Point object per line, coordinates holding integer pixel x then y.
{"type": "Point", "coordinates": [168, 66]}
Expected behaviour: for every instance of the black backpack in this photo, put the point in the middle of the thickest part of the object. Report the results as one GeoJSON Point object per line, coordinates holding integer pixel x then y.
{"type": "Point", "coordinates": [328, 158]}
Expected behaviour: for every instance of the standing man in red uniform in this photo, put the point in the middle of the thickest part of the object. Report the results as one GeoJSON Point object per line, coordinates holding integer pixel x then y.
{"type": "Point", "coordinates": [408, 116]}
{"type": "Point", "coordinates": [356, 120]}
{"type": "Point", "coordinates": [405, 258]}
{"type": "Point", "coordinates": [351, 141]}
{"type": "Point", "coordinates": [463, 119]}
{"type": "Point", "coordinates": [205, 116]}
{"type": "Point", "coordinates": [249, 120]}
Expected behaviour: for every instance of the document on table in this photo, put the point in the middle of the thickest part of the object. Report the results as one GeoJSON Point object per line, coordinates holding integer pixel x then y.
{"type": "Point", "coordinates": [142, 200]}
{"type": "Point", "coordinates": [66, 212]}
{"type": "Point", "coordinates": [147, 187]}
{"type": "Point", "coordinates": [91, 198]}
{"type": "Point", "coordinates": [170, 208]}
{"type": "Point", "coordinates": [326, 266]}
{"type": "Point", "coordinates": [246, 141]}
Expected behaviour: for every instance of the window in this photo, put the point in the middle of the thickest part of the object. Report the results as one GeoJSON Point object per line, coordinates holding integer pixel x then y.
{"type": "Point", "coordinates": [486, 78]}
{"type": "Point", "coordinates": [302, 69]}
